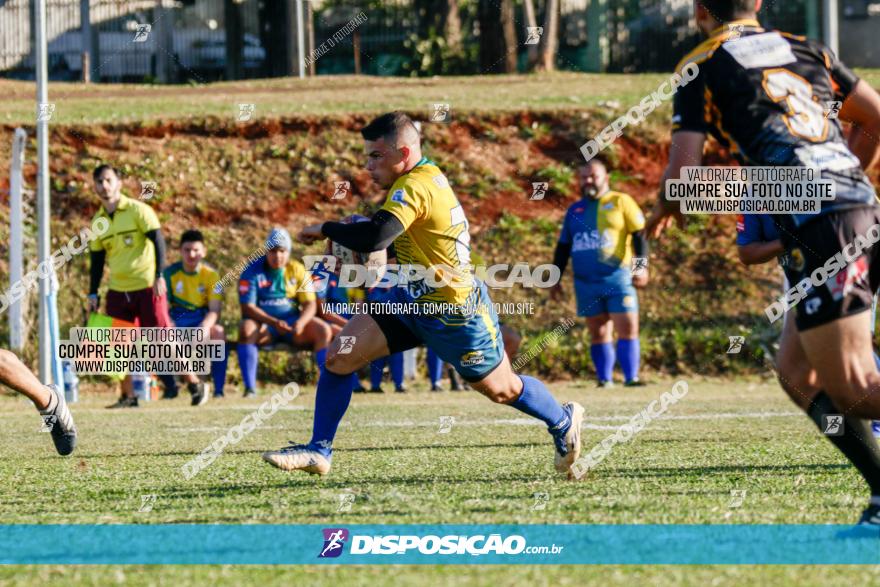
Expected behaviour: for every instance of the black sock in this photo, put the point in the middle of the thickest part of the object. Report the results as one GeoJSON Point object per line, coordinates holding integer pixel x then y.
{"type": "Point", "coordinates": [857, 443]}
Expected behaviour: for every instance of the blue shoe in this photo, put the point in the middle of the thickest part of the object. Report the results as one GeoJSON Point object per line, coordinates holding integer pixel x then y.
{"type": "Point", "coordinates": [875, 428]}
{"type": "Point", "coordinates": [567, 437]}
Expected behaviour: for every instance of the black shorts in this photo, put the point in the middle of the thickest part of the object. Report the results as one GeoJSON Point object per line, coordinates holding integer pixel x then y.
{"type": "Point", "coordinates": [398, 335]}
{"type": "Point", "coordinates": [824, 284]}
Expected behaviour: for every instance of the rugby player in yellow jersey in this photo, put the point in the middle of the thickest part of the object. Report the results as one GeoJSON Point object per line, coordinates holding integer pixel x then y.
{"type": "Point", "coordinates": [195, 301]}
{"type": "Point", "coordinates": [427, 225]}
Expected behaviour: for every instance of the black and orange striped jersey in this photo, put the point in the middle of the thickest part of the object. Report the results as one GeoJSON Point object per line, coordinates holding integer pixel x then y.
{"type": "Point", "coordinates": [772, 99]}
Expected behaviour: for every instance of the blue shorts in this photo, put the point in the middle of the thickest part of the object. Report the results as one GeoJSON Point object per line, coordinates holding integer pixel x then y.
{"type": "Point", "coordinates": [288, 337]}
{"type": "Point", "coordinates": [472, 344]}
{"type": "Point", "coordinates": [188, 318]}
{"type": "Point", "coordinates": [594, 299]}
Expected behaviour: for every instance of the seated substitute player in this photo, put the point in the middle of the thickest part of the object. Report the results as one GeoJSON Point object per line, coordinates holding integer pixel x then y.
{"type": "Point", "coordinates": [602, 233]}
{"type": "Point", "coordinates": [275, 305]}
{"type": "Point", "coordinates": [48, 400]}
{"type": "Point", "coordinates": [194, 302]}
{"type": "Point", "coordinates": [764, 94]}
{"type": "Point", "coordinates": [427, 225]}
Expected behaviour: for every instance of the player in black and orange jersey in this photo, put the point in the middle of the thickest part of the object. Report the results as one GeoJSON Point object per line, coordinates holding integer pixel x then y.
{"type": "Point", "coordinates": [768, 96]}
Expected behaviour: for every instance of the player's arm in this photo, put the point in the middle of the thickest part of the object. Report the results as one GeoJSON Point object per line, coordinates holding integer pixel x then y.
{"type": "Point", "coordinates": [640, 250]}
{"type": "Point", "coordinates": [307, 311]}
{"type": "Point", "coordinates": [862, 109]}
{"type": "Point", "coordinates": [254, 312]}
{"type": "Point", "coordinates": [761, 252]}
{"type": "Point", "coordinates": [686, 150]}
{"type": "Point", "coordinates": [96, 271]}
{"type": "Point", "coordinates": [213, 315]}
{"type": "Point", "coordinates": [365, 237]}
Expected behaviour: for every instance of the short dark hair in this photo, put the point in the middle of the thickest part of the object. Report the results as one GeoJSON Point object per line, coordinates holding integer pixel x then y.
{"type": "Point", "coordinates": [727, 10]}
{"type": "Point", "coordinates": [102, 168]}
{"type": "Point", "coordinates": [388, 126]}
{"type": "Point", "coordinates": [191, 236]}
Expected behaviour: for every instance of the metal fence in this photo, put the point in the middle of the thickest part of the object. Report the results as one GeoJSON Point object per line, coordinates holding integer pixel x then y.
{"type": "Point", "coordinates": [618, 35]}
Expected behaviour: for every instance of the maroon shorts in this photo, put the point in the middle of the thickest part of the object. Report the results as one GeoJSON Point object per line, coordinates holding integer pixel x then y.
{"type": "Point", "coordinates": [140, 306]}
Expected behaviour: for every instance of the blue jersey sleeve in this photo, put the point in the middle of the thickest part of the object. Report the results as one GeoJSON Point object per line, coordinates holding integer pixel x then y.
{"type": "Point", "coordinates": [247, 288]}
{"type": "Point", "coordinates": [565, 233]}
{"type": "Point", "coordinates": [748, 230]}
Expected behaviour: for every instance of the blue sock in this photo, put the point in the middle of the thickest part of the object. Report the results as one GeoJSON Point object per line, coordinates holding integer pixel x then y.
{"type": "Point", "coordinates": [331, 400]}
{"type": "Point", "coordinates": [537, 401]}
{"type": "Point", "coordinates": [247, 359]}
{"type": "Point", "coordinates": [435, 367]}
{"type": "Point", "coordinates": [218, 371]}
{"type": "Point", "coordinates": [396, 361]}
{"type": "Point", "coordinates": [628, 351]}
{"type": "Point", "coordinates": [377, 369]}
{"type": "Point", "coordinates": [321, 358]}
{"type": "Point", "coordinates": [603, 360]}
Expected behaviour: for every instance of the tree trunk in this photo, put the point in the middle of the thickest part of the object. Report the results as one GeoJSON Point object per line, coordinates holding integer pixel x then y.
{"type": "Point", "coordinates": [507, 26]}
{"type": "Point", "coordinates": [452, 28]}
{"type": "Point", "coordinates": [549, 38]}
{"type": "Point", "coordinates": [531, 22]}
{"type": "Point", "coordinates": [491, 43]}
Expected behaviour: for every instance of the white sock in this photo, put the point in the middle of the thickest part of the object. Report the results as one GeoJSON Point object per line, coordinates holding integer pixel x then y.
{"type": "Point", "coordinates": [53, 403]}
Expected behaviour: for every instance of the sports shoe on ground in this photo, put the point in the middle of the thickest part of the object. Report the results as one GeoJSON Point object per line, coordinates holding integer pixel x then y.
{"type": "Point", "coordinates": [219, 394]}
{"type": "Point", "coordinates": [58, 417]}
{"type": "Point", "coordinates": [358, 387]}
{"type": "Point", "coordinates": [250, 393]}
{"type": "Point", "coordinates": [605, 384]}
{"type": "Point", "coordinates": [435, 387]}
{"type": "Point", "coordinates": [868, 525]}
{"type": "Point", "coordinates": [377, 390]}
{"type": "Point", "coordinates": [199, 393]}
{"type": "Point", "coordinates": [169, 395]}
{"type": "Point", "coordinates": [635, 383]}
{"type": "Point", "coordinates": [875, 428]}
{"type": "Point", "coordinates": [454, 380]}
{"type": "Point", "coordinates": [298, 457]}
{"type": "Point", "coordinates": [124, 402]}
{"type": "Point", "coordinates": [567, 437]}
{"type": "Point", "coordinates": [401, 389]}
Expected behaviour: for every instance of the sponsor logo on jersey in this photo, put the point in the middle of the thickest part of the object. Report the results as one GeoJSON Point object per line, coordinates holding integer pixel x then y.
{"type": "Point", "coordinates": [440, 181]}
{"type": "Point", "coordinates": [796, 260]}
{"type": "Point", "coordinates": [591, 240]}
{"type": "Point", "coordinates": [178, 287]}
{"type": "Point", "coordinates": [843, 283]}
{"type": "Point", "coordinates": [262, 281]}
{"type": "Point", "coordinates": [740, 223]}
{"type": "Point", "coordinates": [244, 286]}
{"type": "Point", "coordinates": [473, 358]}
{"type": "Point", "coordinates": [397, 196]}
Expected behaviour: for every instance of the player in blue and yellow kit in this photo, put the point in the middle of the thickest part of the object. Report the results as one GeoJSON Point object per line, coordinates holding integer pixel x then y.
{"type": "Point", "coordinates": [427, 225]}
{"type": "Point", "coordinates": [277, 303]}
{"type": "Point", "coordinates": [195, 302]}
{"type": "Point", "coordinates": [603, 233]}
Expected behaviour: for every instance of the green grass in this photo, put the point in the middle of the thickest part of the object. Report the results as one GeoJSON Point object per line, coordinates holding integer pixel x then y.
{"type": "Point", "coordinates": [722, 436]}
{"type": "Point", "coordinates": [77, 103]}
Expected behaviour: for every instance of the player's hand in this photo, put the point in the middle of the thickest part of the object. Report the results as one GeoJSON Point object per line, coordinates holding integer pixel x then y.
{"type": "Point", "coordinates": [661, 219]}
{"type": "Point", "coordinates": [159, 287]}
{"type": "Point", "coordinates": [310, 234]}
{"type": "Point", "coordinates": [640, 279]}
{"type": "Point", "coordinates": [282, 326]}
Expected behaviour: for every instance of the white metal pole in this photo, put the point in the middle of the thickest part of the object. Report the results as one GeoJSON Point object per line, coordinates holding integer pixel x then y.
{"type": "Point", "coordinates": [43, 115]}
{"type": "Point", "coordinates": [16, 237]}
{"type": "Point", "coordinates": [300, 39]}
{"type": "Point", "coordinates": [830, 29]}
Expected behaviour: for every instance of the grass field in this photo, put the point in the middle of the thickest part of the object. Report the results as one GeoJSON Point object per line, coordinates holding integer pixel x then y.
{"type": "Point", "coordinates": [82, 104]}
{"type": "Point", "coordinates": [681, 469]}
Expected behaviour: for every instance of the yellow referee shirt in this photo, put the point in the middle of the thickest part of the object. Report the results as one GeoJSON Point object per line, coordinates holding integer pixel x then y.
{"type": "Point", "coordinates": [131, 256]}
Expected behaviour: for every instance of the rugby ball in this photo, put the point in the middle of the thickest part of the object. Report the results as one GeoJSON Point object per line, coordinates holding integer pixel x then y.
{"type": "Point", "coordinates": [374, 262]}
